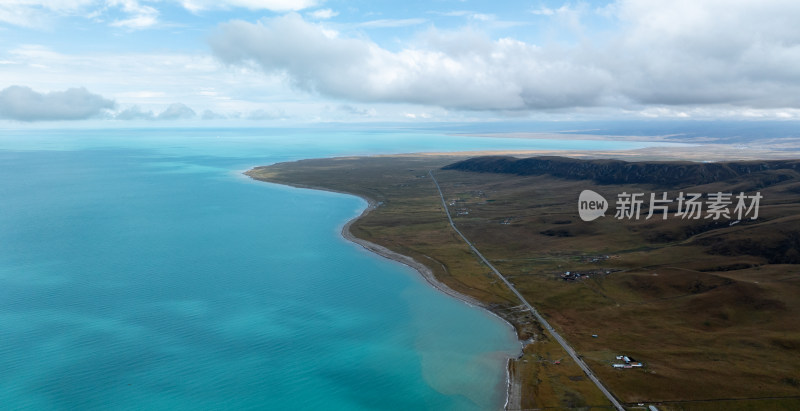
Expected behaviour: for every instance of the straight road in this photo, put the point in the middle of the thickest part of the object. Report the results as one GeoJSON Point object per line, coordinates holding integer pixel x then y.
{"type": "Point", "coordinates": [568, 348]}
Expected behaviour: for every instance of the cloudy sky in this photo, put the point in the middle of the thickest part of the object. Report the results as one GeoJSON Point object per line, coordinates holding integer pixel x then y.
{"type": "Point", "coordinates": [300, 61]}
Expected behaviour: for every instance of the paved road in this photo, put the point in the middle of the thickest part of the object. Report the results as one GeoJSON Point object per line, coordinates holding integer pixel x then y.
{"type": "Point", "coordinates": [535, 313]}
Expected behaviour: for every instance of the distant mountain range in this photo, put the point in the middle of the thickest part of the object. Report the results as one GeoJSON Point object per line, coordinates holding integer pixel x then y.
{"type": "Point", "coordinates": [666, 174]}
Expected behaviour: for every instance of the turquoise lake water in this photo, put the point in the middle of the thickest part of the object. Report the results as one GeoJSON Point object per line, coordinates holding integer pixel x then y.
{"type": "Point", "coordinates": [140, 270]}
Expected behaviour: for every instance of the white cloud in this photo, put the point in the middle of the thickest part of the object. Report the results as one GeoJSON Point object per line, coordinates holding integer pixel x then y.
{"type": "Point", "coordinates": [144, 94]}
{"type": "Point", "coordinates": [35, 13]}
{"type": "Point", "coordinates": [668, 59]}
{"type": "Point", "coordinates": [211, 115]}
{"type": "Point", "coordinates": [415, 116]}
{"type": "Point", "coordinates": [177, 111]}
{"type": "Point", "coordinates": [263, 114]}
{"type": "Point", "coordinates": [135, 14]}
{"type": "Point", "coordinates": [356, 111]}
{"type": "Point", "coordinates": [484, 20]}
{"type": "Point", "coordinates": [732, 53]}
{"type": "Point", "coordinates": [139, 16]}
{"type": "Point", "coordinates": [454, 13]}
{"type": "Point", "coordinates": [389, 23]}
{"type": "Point", "coordinates": [323, 14]}
{"type": "Point", "coordinates": [483, 17]}
{"type": "Point", "coordinates": [465, 70]}
{"type": "Point", "coordinates": [543, 11]}
{"type": "Point", "coordinates": [273, 5]}
{"type": "Point", "coordinates": [136, 22]}
{"type": "Point", "coordinates": [24, 104]}
{"type": "Point", "coordinates": [41, 13]}
{"type": "Point", "coordinates": [151, 81]}
{"type": "Point", "coordinates": [135, 113]}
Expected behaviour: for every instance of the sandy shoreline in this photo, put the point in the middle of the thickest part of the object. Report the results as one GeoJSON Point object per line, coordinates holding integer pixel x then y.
{"type": "Point", "coordinates": [426, 272]}
{"type": "Point", "coordinates": [513, 398]}
{"type": "Point", "coordinates": [512, 392]}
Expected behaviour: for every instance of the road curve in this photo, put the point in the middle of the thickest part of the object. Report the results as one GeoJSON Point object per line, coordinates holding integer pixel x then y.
{"type": "Point", "coordinates": [535, 313]}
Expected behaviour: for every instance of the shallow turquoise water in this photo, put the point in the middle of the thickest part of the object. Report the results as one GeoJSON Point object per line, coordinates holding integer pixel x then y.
{"type": "Point", "coordinates": [140, 270]}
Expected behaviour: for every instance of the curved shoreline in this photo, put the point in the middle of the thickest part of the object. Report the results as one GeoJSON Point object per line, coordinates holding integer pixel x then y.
{"type": "Point", "coordinates": [512, 392]}
{"type": "Point", "coordinates": [513, 398]}
{"type": "Point", "coordinates": [426, 272]}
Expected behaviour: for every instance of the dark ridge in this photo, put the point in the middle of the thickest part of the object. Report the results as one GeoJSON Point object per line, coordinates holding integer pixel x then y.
{"type": "Point", "coordinates": [668, 174]}
{"type": "Point", "coordinates": [781, 247]}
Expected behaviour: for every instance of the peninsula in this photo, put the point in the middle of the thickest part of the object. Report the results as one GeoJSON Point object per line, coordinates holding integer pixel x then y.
{"type": "Point", "coordinates": [679, 313]}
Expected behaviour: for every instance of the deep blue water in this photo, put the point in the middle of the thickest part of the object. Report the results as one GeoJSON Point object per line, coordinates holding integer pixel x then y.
{"type": "Point", "coordinates": [140, 270]}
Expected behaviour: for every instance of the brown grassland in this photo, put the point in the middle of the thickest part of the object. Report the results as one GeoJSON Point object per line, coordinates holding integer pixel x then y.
{"type": "Point", "coordinates": [711, 309]}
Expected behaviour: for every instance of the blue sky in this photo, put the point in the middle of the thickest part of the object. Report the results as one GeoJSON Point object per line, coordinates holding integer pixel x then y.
{"type": "Point", "coordinates": [287, 62]}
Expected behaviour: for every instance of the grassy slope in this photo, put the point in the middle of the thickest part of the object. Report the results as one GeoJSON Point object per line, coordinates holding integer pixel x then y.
{"type": "Point", "coordinates": [706, 327]}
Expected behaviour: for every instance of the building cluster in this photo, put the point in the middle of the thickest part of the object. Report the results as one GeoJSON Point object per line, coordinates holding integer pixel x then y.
{"type": "Point", "coordinates": [595, 258]}
{"type": "Point", "coordinates": [628, 362]}
{"type": "Point", "coordinates": [580, 275]}
{"type": "Point", "coordinates": [460, 210]}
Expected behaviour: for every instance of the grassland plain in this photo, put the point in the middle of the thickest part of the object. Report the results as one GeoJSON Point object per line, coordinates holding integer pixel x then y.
{"type": "Point", "coordinates": [711, 309]}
